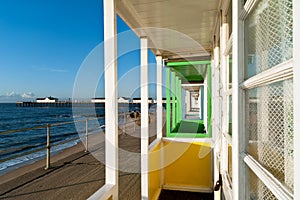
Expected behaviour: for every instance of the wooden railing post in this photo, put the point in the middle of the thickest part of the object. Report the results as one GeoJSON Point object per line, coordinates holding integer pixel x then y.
{"type": "Point", "coordinates": [86, 135]}
{"type": "Point", "coordinates": [48, 147]}
{"type": "Point", "coordinates": [124, 123]}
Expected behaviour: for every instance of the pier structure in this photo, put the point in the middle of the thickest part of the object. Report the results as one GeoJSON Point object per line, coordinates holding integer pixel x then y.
{"type": "Point", "coordinates": [58, 104]}
{"type": "Point", "coordinates": [75, 104]}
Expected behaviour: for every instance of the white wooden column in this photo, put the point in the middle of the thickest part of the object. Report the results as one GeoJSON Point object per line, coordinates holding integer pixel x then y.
{"type": "Point", "coordinates": [216, 115]}
{"type": "Point", "coordinates": [205, 103]}
{"type": "Point", "coordinates": [111, 94]}
{"type": "Point", "coordinates": [216, 94]}
{"type": "Point", "coordinates": [239, 171]}
{"type": "Point", "coordinates": [159, 108]}
{"type": "Point", "coordinates": [144, 117]}
{"type": "Point", "coordinates": [296, 57]}
{"type": "Point", "coordinates": [224, 70]}
{"type": "Point", "coordinates": [174, 100]}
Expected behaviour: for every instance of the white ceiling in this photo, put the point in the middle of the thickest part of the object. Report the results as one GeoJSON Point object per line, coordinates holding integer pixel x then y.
{"type": "Point", "coordinates": [180, 27]}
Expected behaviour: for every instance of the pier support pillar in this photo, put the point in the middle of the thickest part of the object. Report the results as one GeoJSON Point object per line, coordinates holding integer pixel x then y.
{"type": "Point", "coordinates": [144, 117]}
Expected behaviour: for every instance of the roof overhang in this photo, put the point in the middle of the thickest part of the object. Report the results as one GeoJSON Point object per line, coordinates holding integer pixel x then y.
{"type": "Point", "coordinates": [175, 28]}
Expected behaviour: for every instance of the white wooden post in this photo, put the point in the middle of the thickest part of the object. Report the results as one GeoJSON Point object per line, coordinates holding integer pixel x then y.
{"type": "Point", "coordinates": [216, 134]}
{"type": "Point", "coordinates": [239, 170]}
{"type": "Point", "coordinates": [159, 108]}
{"type": "Point", "coordinates": [111, 94]}
{"type": "Point", "coordinates": [216, 108]}
{"type": "Point", "coordinates": [174, 99]}
{"type": "Point", "coordinates": [296, 57]}
{"type": "Point", "coordinates": [224, 70]}
{"type": "Point", "coordinates": [144, 117]}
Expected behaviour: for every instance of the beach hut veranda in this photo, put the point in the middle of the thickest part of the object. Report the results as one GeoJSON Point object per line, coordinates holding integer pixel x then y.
{"type": "Point", "coordinates": [234, 111]}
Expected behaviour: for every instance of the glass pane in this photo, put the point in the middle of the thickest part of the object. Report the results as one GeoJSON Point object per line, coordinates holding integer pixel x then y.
{"type": "Point", "coordinates": [270, 129]}
{"type": "Point", "coordinates": [258, 190]}
{"type": "Point", "coordinates": [268, 35]}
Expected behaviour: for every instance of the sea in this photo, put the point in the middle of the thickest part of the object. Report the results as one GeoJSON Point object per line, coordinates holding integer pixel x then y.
{"type": "Point", "coordinates": [19, 148]}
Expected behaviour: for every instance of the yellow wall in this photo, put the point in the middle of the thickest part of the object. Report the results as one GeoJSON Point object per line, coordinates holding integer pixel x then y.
{"type": "Point", "coordinates": [187, 164]}
{"type": "Point", "coordinates": [154, 171]}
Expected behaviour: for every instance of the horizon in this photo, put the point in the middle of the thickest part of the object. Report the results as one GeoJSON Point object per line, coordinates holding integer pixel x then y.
{"type": "Point", "coordinates": [71, 100]}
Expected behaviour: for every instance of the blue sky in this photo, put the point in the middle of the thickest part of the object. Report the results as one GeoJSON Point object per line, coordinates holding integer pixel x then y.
{"type": "Point", "coordinates": [43, 44]}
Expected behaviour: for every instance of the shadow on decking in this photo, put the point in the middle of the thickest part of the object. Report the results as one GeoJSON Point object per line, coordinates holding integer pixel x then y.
{"type": "Point", "coordinates": [173, 195]}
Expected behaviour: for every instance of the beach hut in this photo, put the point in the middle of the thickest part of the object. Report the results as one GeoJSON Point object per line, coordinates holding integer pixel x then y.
{"type": "Point", "coordinates": [237, 58]}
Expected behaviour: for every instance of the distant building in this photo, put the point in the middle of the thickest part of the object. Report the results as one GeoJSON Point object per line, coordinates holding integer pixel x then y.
{"type": "Point", "coordinates": [98, 100]}
{"type": "Point", "coordinates": [47, 100]}
{"type": "Point", "coordinates": [124, 100]}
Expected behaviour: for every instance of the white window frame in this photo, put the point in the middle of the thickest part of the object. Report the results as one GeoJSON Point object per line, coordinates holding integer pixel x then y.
{"type": "Point", "coordinates": [296, 64]}
{"type": "Point", "coordinates": [281, 72]}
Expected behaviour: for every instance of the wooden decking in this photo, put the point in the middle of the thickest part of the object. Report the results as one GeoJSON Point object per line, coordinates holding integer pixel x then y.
{"type": "Point", "coordinates": [76, 177]}
{"type": "Point", "coordinates": [80, 174]}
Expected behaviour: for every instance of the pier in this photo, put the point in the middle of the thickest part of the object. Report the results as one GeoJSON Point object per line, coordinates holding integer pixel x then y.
{"type": "Point", "coordinates": [59, 104]}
